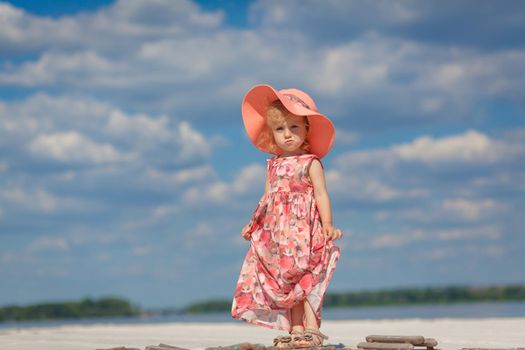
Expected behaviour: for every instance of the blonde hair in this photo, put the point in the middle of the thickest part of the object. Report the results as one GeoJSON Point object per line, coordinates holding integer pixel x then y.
{"type": "Point", "coordinates": [276, 113]}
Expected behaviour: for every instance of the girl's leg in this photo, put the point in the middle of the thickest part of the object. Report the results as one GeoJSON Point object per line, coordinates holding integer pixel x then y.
{"type": "Point", "coordinates": [297, 323]}
{"type": "Point", "coordinates": [312, 326]}
{"type": "Point", "coordinates": [311, 320]}
{"type": "Point", "coordinates": [303, 316]}
{"type": "Point", "coordinates": [297, 317]}
{"type": "Point", "coordinates": [297, 314]}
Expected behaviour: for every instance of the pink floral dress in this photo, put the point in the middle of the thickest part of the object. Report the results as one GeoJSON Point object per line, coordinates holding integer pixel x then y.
{"type": "Point", "coordinates": [289, 260]}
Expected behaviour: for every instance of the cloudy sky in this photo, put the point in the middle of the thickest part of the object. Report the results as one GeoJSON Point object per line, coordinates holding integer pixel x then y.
{"type": "Point", "coordinates": [125, 169]}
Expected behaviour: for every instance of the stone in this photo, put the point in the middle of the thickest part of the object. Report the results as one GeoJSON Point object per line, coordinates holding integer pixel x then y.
{"type": "Point", "coordinates": [410, 339]}
{"type": "Point", "coordinates": [162, 346]}
{"type": "Point", "coordinates": [385, 346]}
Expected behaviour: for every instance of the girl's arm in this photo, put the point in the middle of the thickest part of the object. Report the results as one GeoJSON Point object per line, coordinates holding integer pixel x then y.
{"type": "Point", "coordinates": [322, 199]}
{"type": "Point", "coordinates": [244, 232]}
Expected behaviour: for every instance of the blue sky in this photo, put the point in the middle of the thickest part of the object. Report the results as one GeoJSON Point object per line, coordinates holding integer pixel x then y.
{"type": "Point", "coordinates": [124, 167]}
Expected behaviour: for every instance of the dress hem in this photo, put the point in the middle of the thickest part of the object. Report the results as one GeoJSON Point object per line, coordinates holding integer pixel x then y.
{"type": "Point", "coordinates": [318, 292]}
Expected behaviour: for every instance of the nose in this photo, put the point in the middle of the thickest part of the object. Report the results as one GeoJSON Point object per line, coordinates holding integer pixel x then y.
{"type": "Point", "coordinates": [287, 132]}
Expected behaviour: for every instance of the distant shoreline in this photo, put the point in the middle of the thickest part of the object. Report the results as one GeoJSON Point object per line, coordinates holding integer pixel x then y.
{"type": "Point", "coordinates": [402, 296]}
{"type": "Point", "coordinates": [85, 308]}
{"type": "Point", "coordinates": [112, 307]}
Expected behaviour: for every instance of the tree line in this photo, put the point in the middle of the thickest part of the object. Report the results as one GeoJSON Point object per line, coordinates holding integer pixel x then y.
{"type": "Point", "coordinates": [85, 308]}
{"type": "Point", "coordinates": [405, 296]}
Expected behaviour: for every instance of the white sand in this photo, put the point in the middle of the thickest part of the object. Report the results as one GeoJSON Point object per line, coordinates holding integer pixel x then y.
{"type": "Point", "coordinates": [450, 333]}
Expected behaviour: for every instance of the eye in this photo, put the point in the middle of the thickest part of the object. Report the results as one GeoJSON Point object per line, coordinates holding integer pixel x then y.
{"type": "Point", "coordinates": [279, 128]}
{"type": "Point", "coordinates": [294, 126]}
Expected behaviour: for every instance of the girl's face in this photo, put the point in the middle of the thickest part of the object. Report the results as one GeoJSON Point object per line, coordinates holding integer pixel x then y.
{"type": "Point", "coordinates": [289, 135]}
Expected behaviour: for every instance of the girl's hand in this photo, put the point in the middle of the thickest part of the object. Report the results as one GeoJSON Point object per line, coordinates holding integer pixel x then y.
{"type": "Point", "coordinates": [331, 233]}
{"type": "Point", "coordinates": [245, 233]}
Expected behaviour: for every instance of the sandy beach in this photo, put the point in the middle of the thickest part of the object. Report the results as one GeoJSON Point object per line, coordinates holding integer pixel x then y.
{"type": "Point", "coordinates": [450, 333]}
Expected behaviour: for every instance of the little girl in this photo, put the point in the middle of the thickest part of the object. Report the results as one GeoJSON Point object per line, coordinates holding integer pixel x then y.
{"type": "Point", "coordinates": [291, 257]}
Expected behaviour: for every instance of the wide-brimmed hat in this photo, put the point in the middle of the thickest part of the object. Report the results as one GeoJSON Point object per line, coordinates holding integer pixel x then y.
{"type": "Point", "coordinates": [256, 101]}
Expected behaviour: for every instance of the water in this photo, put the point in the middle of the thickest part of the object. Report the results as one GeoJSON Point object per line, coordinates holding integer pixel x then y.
{"type": "Point", "coordinates": [461, 310]}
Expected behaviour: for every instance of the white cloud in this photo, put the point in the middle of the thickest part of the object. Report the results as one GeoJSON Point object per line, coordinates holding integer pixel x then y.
{"type": "Point", "coordinates": [472, 147]}
{"type": "Point", "coordinates": [125, 22]}
{"type": "Point", "coordinates": [348, 67]}
{"type": "Point", "coordinates": [430, 182]}
{"type": "Point", "coordinates": [250, 179]}
{"type": "Point", "coordinates": [451, 210]}
{"type": "Point", "coordinates": [386, 176]}
{"type": "Point", "coordinates": [65, 128]}
{"type": "Point", "coordinates": [410, 237]}
{"type": "Point", "coordinates": [76, 148]}
{"type": "Point", "coordinates": [345, 137]}
{"type": "Point", "coordinates": [471, 209]}
{"type": "Point", "coordinates": [181, 54]}
{"type": "Point", "coordinates": [192, 143]}
{"type": "Point", "coordinates": [138, 126]}
{"type": "Point", "coordinates": [440, 254]}
{"type": "Point", "coordinates": [143, 250]}
{"type": "Point", "coordinates": [160, 16]}
{"type": "Point", "coordinates": [394, 241]}
{"type": "Point", "coordinates": [487, 232]}
{"type": "Point", "coordinates": [216, 193]}
{"type": "Point", "coordinates": [202, 232]}
{"type": "Point", "coordinates": [362, 186]}
{"type": "Point", "coordinates": [37, 199]}
{"type": "Point", "coordinates": [163, 211]}
{"type": "Point", "coordinates": [348, 16]}
{"type": "Point", "coordinates": [21, 120]}
{"type": "Point", "coordinates": [53, 68]}
{"type": "Point", "coordinates": [49, 244]}
{"type": "Point", "coordinates": [204, 172]}
{"type": "Point", "coordinates": [4, 166]}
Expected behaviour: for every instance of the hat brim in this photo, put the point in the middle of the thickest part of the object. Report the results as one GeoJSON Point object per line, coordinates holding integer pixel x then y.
{"type": "Point", "coordinates": [255, 103]}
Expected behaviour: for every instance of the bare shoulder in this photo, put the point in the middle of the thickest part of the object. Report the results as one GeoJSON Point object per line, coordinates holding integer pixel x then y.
{"type": "Point", "coordinates": [316, 172]}
{"type": "Point", "coordinates": [315, 166]}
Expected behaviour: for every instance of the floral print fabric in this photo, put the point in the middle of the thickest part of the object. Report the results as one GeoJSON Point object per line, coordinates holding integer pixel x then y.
{"type": "Point", "coordinates": [289, 260]}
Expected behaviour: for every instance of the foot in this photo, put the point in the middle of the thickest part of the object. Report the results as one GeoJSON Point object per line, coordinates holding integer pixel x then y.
{"type": "Point", "coordinates": [298, 340]}
{"type": "Point", "coordinates": [310, 338]}
{"type": "Point", "coordinates": [283, 342]}
{"type": "Point", "coordinates": [287, 341]}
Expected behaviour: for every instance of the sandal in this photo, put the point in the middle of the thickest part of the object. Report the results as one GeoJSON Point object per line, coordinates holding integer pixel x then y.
{"type": "Point", "coordinates": [313, 337]}
{"type": "Point", "coordinates": [286, 340]}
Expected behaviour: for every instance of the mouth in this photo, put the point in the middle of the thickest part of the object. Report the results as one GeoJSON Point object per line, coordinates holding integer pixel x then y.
{"type": "Point", "coordinates": [289, 142]}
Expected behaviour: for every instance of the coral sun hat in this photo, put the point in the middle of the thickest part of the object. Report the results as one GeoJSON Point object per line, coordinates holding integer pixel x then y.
{"type": "Point", "coordinates": [321, 131]}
